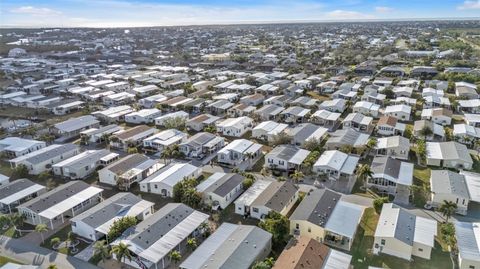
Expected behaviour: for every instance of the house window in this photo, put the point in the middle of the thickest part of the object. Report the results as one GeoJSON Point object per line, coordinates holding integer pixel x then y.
{"type": "Point", "coordinates": [382, 242]}
{"type": "Point", "coordinates": [309, 229]}
{"type": "Point", "coordinates": [420, 249]}
{"type": "Point", "coordinates": [297, 226]}
{"type": "Point", "coordinates": [255, 210]}
{"type": "Point", "coordinates": [471, 267]}
{"type": "Point", "coordinates": [281, 162]}
{"type": "Point", "coordinates": [156, 186]}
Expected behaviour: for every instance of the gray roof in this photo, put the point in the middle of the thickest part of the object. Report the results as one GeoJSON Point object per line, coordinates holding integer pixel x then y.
{"type": "Point", "coordinates": [303, 131]}
{"type": "Point", "coordinates": [231, 246]}
{"type": "Point", "coordinates": [55, 196]}
{"type": "Point", "coordinates": [156, 226]}
{"type": "Point", "coordinates": [405, 228]}
{"type": "Point", "coordinates": [127, 163]}
{"type": "Point", "coordinates": [386, 165]}
{"type": "Point", "coordinates": [76, 123]}
{"type": "Point", "coordinates": [199, 139]}
{"type": "Point", "coordinates": [14, 187]}
{"type": "Point", "coordinates": [348, 137]}
{"type": "Point", "coordinates": [108, 209]}
{"type": "Point", "coordinates": [277, 195]}
{"type": "Point", "coordinates": [446, 181]}
{"type": "Point", "coordinates": [317, 207]}
{"type": "Point", "coordinates": [227, 184]}
{"type": "Point", "coordinates": [47, 153]}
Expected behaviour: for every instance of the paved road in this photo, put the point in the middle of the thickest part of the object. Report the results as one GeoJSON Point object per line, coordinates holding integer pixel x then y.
{"type": "Point", "coordinates": [28, 253]}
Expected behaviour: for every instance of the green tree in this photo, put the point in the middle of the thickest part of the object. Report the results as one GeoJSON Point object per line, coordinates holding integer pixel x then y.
{"type": "Point", "coordinates": [100, 249]}
{"type": "Point", "coordinates": [121, 252]}
{"type": "Point", "coordinates": [20, 171]}
{"type": "Point", "coordinates": [192, 243]}
{"type": "Point", "coordinates": [132, 150]}
{"type": "Point", "coordinates": [447, 232]}
{"type": "Point", "coordinates": [41, 228]}
{"type": "Point", "coordinates": [448, 208]}
{"type": "Point", "coordinates": [297, 176]}
{"type": "Point", "coordinates": [247, 183]}
{"type": "Point", "coordinates": [426, 131]}
{"type": "Point", "coordinates": [52, 266]}
{"type": "Point", "coordinates": [175, 256]}
{"type": "Point", "coordinates": [185, 192]}
{"type": "Point", "coordinates": [364, 173]}
{"type": "Point", "coordinates": [119, 226]}
{"type": "Point", "coordinates": [55, 241]}
{"type": "Point", "coordinates": [278, 225]}
{"type": "Point", "coordinates": [378, 203]}
{"type": "Point", "coordinates": [280, 139]}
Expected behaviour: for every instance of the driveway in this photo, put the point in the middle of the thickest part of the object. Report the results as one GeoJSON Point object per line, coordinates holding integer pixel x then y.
{"type": "Point", "coordinates": [28, 253]}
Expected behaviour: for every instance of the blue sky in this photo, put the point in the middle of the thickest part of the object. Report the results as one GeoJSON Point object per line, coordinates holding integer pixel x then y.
{"type": "Point", "coordinates": [131, 13]}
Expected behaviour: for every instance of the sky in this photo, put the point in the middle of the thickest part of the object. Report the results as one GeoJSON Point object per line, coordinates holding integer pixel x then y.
{"type": "Point", "coordinates": [137, 13]}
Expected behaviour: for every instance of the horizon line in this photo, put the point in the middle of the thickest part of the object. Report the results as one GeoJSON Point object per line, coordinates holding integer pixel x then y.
{"type": "Point", "coordinates": [238, 23]}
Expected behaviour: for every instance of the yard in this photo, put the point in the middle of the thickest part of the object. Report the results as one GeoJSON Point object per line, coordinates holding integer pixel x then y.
{"type": "Point", "coordinates": [62, 235]}
{"type": "Point", "coordinates": [362, 256]}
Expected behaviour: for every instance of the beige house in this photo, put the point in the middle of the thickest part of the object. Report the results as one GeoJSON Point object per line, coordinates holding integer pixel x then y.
{"type": "Point", "coordinates": [402, 234]}
{"type": "Point", "coordinates": [323, 216]}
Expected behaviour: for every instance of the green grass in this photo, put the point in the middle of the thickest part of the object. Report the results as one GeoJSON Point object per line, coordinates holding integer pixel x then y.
{"type": "Point", "coordinates": [422, 173]}
{"type": "Point", "coordinates": [362, 256]}
{"type": "Point", "coordinates": [4, 260]}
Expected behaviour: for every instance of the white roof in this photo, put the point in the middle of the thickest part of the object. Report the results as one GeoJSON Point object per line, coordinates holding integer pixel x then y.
{"type": "Point", "coordinates": [271, 127]}
{"type": "Point", "coordinates": [398, 108]}
{"type": "Point", "coordinates": [162, 247]}
{"type": "Point", "coordinates": [21, 194]}
{"type": "Point", "coordinates": [18, 144]}
{"type": "Point", "coordinates": [337, 260]}
{"type": "Point", "coordinates": [425, 231]}
{"type": "Point", "coordinates": [327, 115]}
{"type": "Point", "coordinates": [70, 202]}
{"type": "Point", "coordinates": [344, 219]}
{"type": "Point", "coordinates": [468, 240]}
{"type": "Point", "coordinates": [172, 174]}
{"type": "Point", "coordinates": [473, 185]}
{"type": "Point", "coordinates": [338, 160]}
{"type": "Point", "coordinates": [249, 196]}
{"type": "Point", "coordinates": [133, 210]}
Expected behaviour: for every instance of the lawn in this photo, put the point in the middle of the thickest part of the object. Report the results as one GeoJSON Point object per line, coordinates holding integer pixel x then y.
{"type": "Point", "coordinates": [476, 163]}
{"type": "Point", "coordinates": [362, 256]}
{"type": "Point", "coordinates": [228, 215]}
{"type": "Point", "coordinates": [4, 260]}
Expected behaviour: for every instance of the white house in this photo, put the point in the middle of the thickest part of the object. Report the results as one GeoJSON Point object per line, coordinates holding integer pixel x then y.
{"type": "Point", "coordinates": [391, 176]}
{"type": "Point", "coordinates": [182, 115]}
{"type": "Point", "coordinates": [236, 127]}
{"type": "Point", "coordinates": [401, 112]}
{"type": "Point", "coordinates": [84, 164]}
{"type": "Point", "coordinates": [66, 201]}
{"type": "Point", "coordinates": [15, 146]}
{"type": "Point", "coordinates": [468, 240]}
{"type": "Point", "coordinates": [128, 170]}
{"type": "Point", "coordinates": [164, 139]}
{"type": "Point", "coordinates": [267, 130]}
{"type": "Point", "coordinates": [402, 234]}
{"type": "Point", "coordinates": [131, 137]}
{"type": "Point", "coordinates": [95, 223]}
{"type": "Point", "coordinates": [143, 116]}
{"type": "Point", "coordinates": [285, 158]}
{"type": "Point", "coordinates": [240, 153]}
{"type": "Point", "coordinates": [43, 159]}
{"type": "Point", "coordinates": [446, 185]}
{"type": "Point", "coordinates": [221, 189]}
{"type": "Point", "coordinates": [387, 126]}
{"type": "Point", "coordinates": [336, 164]}
{"type": "Point", "coordinates": [366, 108]}
{"type": "Point", "coordinates": [163, 181]}
{"type": "Point", "coordinates": [17, 192]}
{"type": "Point", "coordinates": [201, 145]}
{"type": "Point", "coordinates": [395, 146]}
{"type": "Point", "coordinates": [448, 154]}
{"type": "Point", "coordinates": [265, 196]}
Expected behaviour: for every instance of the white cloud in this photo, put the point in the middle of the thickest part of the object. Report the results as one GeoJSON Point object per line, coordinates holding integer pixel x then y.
{"type": "Point", "coordinates": [37, 11]}
{"type": "Point", "coordinates": [347, 15]}
{"type": "Point", "coordinates": [470, 4]}
{"type": "Point", "coordinates": [383, 9]}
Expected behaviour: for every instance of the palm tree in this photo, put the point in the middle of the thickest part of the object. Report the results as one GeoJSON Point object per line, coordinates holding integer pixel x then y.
{"type": "Point", "coordinates": [100, 248]}
{"type": "Point", "coordinates": [166, 154]}
{"type": "Point", "coordinates": [364, 173]}
{"type": "Point", "coordinates": [121, 252]}
{"type": "Point", "coordinates": [192, 243]}
{"type": "Point", "coordinates": [296, 176]}
{"type": "Point", "coordinates": [175, 256]}
{"type": "Point", "coordinates": [448, 208]}
{"type": "Point", "coordinates": [41, 228]}
{"type": "Point", "coordinates": [426, 131]}
{"type": "Point", "coordinates": [16, 220]}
